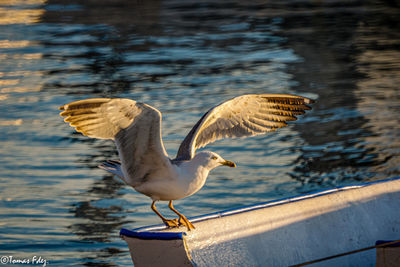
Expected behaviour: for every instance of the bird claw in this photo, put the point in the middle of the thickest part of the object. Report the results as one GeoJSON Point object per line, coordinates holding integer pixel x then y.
{"type": "Point", "coordinates": [178, 222]}
{"type": "Point", "coordinates": [186, 222]}
{"type": "Point", "coordinates": [172, 223]}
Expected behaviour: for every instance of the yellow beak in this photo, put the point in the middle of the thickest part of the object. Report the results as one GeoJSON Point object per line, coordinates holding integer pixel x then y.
{"type": "Point", "coordinates": [229, 163]}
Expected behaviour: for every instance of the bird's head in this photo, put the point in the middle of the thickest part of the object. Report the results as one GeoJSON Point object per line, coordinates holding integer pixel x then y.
{"type": "Point", "coordinates": [211, 160]}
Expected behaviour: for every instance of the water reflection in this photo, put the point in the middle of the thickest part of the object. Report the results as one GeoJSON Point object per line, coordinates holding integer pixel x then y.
{"type": "Point", "coordinates": [20, 12]}
{"type": "Point", "coordinates": [99, 222]}
{"type": "Point", "coordinates": [339, 149]}
{"type": "Point", "coordinates": [183, 57]}
{"type": "Point", "coordinates": [379, 94]}
{"type": "Point", "coordinates": [95, 44]}
{"type": "Point", "coordinates": [100, 218]}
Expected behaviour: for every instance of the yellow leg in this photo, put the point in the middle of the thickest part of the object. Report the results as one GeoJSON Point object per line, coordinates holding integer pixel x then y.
{"type": "Point", "coordinates": [169, 223]}
{"type": "Point", "coordinates": [182, 218]}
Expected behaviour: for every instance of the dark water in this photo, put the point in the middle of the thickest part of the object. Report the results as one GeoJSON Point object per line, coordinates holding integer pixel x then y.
{"type": "Point", "coordinates": [184, 57]}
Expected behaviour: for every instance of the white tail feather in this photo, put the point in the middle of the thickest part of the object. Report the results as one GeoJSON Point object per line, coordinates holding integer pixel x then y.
{"type": "Point", "coordinates": [113, 167]}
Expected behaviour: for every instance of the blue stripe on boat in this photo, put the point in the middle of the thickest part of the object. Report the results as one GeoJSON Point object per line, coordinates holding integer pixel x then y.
{"type": "Point", "coordinates": [152, 235]}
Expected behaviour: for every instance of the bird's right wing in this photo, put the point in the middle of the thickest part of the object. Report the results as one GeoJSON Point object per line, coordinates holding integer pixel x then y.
{"type": "Point", "coordinates": [245, 115]}
{"type": "Point", "coordinates": [135, 127]}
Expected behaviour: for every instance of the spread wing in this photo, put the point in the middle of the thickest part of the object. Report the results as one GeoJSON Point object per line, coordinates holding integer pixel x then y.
{"type": "Point", "coordinates": [135, 127]}
{"type": "Point", "coordinates": [246, 115]}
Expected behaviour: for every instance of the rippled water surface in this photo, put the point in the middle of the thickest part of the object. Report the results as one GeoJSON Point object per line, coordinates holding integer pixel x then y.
{"type": "Point", "coordinates": [183, 57]}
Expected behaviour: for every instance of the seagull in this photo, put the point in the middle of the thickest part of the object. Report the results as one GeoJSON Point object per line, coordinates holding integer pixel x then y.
{"type": "Point", "coordinates": [144, 164]}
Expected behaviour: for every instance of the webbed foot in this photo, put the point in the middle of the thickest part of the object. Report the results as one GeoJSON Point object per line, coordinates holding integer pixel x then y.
{"type": "Point", "coordinates": [172, 223]}
{"type": "Point", "coordinates": [184, 221]}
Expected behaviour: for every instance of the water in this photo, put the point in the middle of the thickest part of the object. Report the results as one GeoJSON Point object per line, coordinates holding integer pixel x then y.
{"type": "Point", "coordinates": [183, 57]}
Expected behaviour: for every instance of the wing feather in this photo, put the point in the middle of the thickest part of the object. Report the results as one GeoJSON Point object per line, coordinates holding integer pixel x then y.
{"type": "Point", "coordinates": [246, 115]}
{"type": "Point", "coordinates": [135, 127]}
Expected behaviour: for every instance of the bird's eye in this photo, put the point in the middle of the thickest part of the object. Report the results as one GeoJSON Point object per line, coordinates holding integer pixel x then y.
{"type": "Point", "coordinates": [214, 158]}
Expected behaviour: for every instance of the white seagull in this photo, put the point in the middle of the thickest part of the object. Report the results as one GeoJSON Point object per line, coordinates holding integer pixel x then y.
{"type": "Point", "coordinates": [136, 130]}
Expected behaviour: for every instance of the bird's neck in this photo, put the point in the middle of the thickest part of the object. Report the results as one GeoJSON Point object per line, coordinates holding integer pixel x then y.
{"type": "Point", "coordinates": [191, 168]}
{"type": "Point", "coordinates": [193, 176]}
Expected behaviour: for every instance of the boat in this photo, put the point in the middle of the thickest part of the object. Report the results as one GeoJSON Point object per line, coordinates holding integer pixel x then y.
{"type": "Point", "coordinates": [356, 225]}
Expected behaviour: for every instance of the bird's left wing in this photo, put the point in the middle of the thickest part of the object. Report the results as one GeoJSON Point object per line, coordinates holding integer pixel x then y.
{"type": "Point", "coordinates": [245, 115]}
{"type": "Point", "coordinates": [135, 127]}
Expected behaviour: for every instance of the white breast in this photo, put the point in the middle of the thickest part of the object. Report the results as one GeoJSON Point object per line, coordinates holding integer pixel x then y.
{"type": "Point", "coordinates": [184, 180]}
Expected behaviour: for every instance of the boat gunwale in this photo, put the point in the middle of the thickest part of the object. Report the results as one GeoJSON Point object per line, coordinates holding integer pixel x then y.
{"type": "Point", "coordinates": [150, 232]}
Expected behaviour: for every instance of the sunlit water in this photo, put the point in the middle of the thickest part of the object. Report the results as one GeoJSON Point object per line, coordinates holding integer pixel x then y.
{"type": "Point", "coordinates": [183, 57]}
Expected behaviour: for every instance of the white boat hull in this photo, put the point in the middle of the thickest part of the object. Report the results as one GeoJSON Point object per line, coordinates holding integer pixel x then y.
{"type": "Point", "coordinates": [280, 233]}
